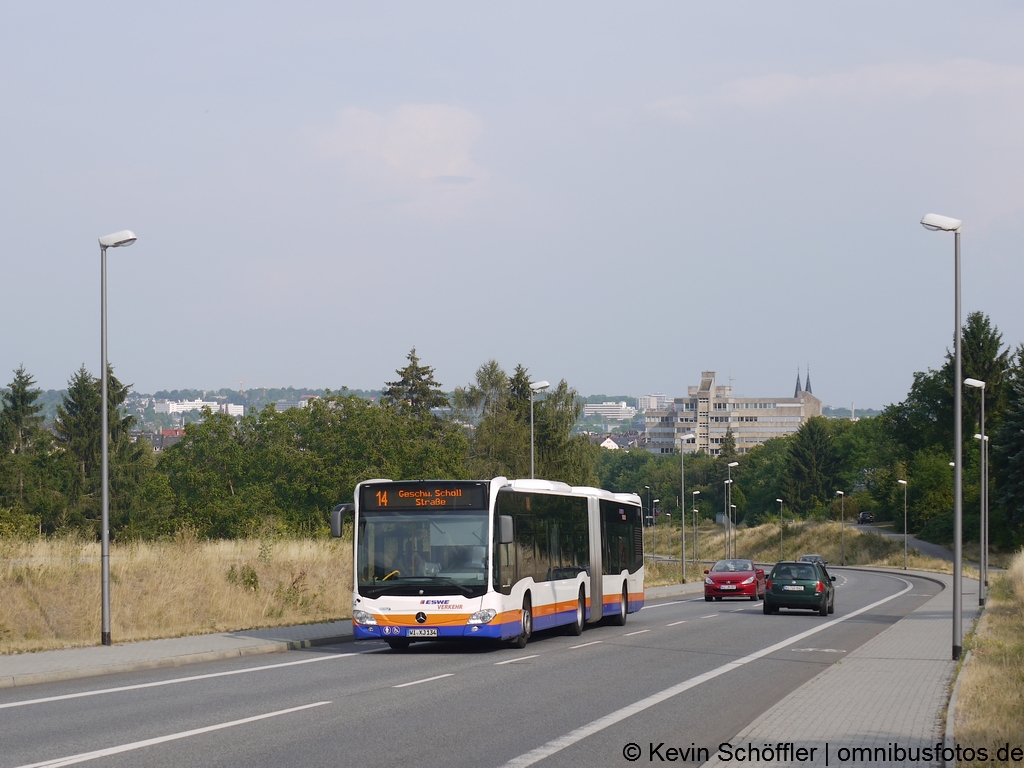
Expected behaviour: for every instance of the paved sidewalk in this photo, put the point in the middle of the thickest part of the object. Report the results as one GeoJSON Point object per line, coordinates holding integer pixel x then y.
{"type": "Point", "coordinates": [50, 666]}
{"type": "Point", "coordinates": [891, 692]}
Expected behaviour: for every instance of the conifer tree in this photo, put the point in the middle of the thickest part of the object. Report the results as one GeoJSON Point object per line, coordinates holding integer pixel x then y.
{"type": "Point", "coordinates": [415, 391]}
{"type": "Point", "coordinates": [19, 417]}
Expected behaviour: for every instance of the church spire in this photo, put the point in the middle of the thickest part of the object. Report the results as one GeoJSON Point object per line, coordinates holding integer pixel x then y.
{"type": "Point", "coordinates": [807, 386]}
{"type": "Point", "coordinates": [796, 392]}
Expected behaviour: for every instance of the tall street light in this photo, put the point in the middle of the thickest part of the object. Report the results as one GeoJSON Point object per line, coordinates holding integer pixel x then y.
{"type": "Point", "coordinates": [732, 534]}
{"type": "Point", "coordinates": [654, 523]}
{"type": "Point", "coordinates": [725, 510]}
{"type": "Point", "coordinates": [732, 525]}
{"type": "Point", "coordinates": [842, 534]}
{"type": "Point", "coordinates": [693, 497]}
{"type": "Point", "coordinates": [983, 591]}
{"type": "Point", "coordinates": [535, 387]}
{"type": "Point", "coordinates": [983, 576]}
{"type": "Point", "coordinates": [120, 239]}
{"type": "Point", "coordinates": [904, 484]}
{"type": "Point", "coordinates": [682, 493]}
{"type": "Point", "coordinates": [780, 528]}
{"type": "Point", "coordinates": [937, 223]}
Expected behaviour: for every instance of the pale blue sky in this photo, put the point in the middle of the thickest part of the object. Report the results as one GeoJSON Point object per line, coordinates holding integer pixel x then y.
{"type": "Point", "coordinates": [620, 195]}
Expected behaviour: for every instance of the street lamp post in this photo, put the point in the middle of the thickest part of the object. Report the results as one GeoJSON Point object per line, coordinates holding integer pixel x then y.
{"type": "Point", "coordinates": [654, 524]}
{"type": "Point", "coordinates": [732, 533]}
{"type": "Point", "coordinates": [842, 534]}
{"type": "Point", "coordinates": [904, 484]}
{"type": "Point", "coordinates": [732, 527]}
{"type": "Point", "coordinates": [983, 557]}
{"type": "Point", "coordinates": [780, 528]}
{"type": "Point", "coordinates": [935, 222]}
{"type": "Point", "coordinates": [120, 239]}
{"type": "Point", "coordinates": [535, 387]}
{"type": "Point", "coordinates": [725, 511]}
{"type": "Point", "coordinates": [693, 497]}
{"type": "Point", "coordinates": [682, 495]}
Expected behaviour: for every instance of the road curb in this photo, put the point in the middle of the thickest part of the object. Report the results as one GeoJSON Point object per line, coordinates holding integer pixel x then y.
{"type": "Point", "coordinates": [926, 575]}
{"type": "Point", "coordinates": [35, 678]}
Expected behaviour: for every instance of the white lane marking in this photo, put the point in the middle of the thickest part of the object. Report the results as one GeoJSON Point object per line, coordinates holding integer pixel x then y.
{"type": "Point", "coordinates": [574, 647]}
{"type": "Point", "coordinates": [709, 616]}
{"type": "Point", "coordinates": [424, 680]}
{"type": "Point", "coordinates": [662, 605]}
{"type": "Point", "coordinates": [676, 623]}
{"type": "Point", "coordinates": [557, 745]}
{"type": "Point", "coordinates": [816, 650]}
{"type": "Point", "coordinates": [638, 632]}
{"type": "Point", "coordinates": [513, 661]}
{"type": "Point", "coordinates": [84, 756]}
{"type": "Point", "coordinates": [175, 681]}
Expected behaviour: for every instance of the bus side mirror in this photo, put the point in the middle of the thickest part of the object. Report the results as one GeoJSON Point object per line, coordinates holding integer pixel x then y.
{"type": "Point", "coordinates": [505, 535]}
{"type": "Point", "coordinates": [338, 515]}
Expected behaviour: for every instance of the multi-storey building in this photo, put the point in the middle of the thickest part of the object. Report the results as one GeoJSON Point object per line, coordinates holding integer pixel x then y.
{"type": "Point", "coordinates": [710, 410]}
{"type": "Point", "coordinates": [613, 411]}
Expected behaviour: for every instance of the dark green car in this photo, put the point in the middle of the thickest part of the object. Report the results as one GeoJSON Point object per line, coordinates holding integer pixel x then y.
{"type": "Point", "coordinates": [800, 585]}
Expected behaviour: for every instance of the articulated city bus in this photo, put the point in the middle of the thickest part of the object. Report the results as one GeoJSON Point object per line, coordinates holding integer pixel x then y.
{"type": "Point", "coordinates": [494, 559]}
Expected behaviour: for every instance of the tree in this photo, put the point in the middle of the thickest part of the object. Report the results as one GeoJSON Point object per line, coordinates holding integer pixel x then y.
{"type": "Point", "coordinates": [19, 417]}
{"type": "Point", "coordinates": [415, 391]}
{"type": "Point", "coordinates": [1008, 453]}
{"type": "Point", "coordinates": [812, 466]}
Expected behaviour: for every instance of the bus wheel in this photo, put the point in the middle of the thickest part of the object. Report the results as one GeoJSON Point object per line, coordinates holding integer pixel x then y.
{"type": "Point", "coordinates": [576, 628]}
{"type": "Point", "coordinates": [619, 619]}
{"type": "Point", "coordinates": [524, 638]}
{"type": "Point", "coordinates": [398, 645]}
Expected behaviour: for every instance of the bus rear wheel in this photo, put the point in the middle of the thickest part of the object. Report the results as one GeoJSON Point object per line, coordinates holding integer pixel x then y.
{"type": "Point", "coordinates": [576, 628]}
{"type": "Point", "coordinates": [527, 620]}
{"type": "Point", "coordinates": [619, 619]}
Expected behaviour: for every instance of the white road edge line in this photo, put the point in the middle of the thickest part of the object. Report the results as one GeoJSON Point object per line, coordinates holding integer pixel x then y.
{"type": "Point", "coordinates": [574, 647]}
{"type": "Point", "coordinates": [557, 745]}
{"type": "Point", "coordinates": [424, 680]}
{"type": "Point", "coordinates": [84, 756]}
{"type": "Point", "coordinates": [175, 681]}
{"type": "Point", "coordinates": [676, 623]}
{"type": "Point", "coordinates": [709, 616]}
{"type": "Point", "coordinates": [662, 605]}
{"type": "Point", "coordinates": [513, 661]}
{"type": "Point", "coordinates": [638, 632]}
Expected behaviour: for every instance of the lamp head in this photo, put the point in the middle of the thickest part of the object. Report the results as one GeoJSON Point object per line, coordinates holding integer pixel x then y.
{"type": "Point", "coordinates": [902, 482]}
{"type": "Point", "coordinates": [695, 493]}
{"type": "Point", "coordinates": [840, 493]}
{"type": "Point", "coordinates": [537, 386]}
{"type": "Point", "coordinates": [974, 383]}
{"type": "Point", "coordinates": [733, 464]}
{"type": "Point", "coordinates": [937, 223]}
{"type": "Point", "coordinates": [689, 436]}
{"type": "Point", "coordinates": [779, 500]}
{"type": "Point", "coordinates": [118, 239]}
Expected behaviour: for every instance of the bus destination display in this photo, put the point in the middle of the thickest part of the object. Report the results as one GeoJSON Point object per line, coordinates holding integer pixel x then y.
{"type": "Point", "coordinates": [424, 496]}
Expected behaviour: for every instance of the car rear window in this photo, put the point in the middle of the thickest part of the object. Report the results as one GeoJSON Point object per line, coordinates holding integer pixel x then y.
{"type": "Point", "coordinates": [804, 572]}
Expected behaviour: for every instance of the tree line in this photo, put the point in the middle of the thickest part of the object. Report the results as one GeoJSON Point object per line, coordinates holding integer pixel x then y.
{"type": "Point", "coordinates": [233, 477]}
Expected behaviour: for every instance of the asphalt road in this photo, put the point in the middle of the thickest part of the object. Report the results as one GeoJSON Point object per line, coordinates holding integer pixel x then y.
{"type": "Point", "coordinates": [683, 672]}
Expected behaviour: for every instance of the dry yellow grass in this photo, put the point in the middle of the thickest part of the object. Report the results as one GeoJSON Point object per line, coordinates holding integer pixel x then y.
{"type": "Point", "coordinates": [990, 707]}
{"type": "Point", "coordinates": [51, 588]}
{"type": "Point", "coordinates": [761, 543]}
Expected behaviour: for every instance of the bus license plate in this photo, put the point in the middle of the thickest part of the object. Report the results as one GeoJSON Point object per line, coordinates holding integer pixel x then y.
{"type": "Point", "coordinates": [421, 633]}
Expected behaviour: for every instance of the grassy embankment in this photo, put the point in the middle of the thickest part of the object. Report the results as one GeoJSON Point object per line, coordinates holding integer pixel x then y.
{"type": "Point", "coordinates": [761, 543]}
{"type": "Point", "coordinates": [51, 588]}
{"type": "Point", "coordinates": [990, 709]}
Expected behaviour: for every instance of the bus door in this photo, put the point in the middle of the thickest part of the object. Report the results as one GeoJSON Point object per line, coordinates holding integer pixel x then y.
{"type": "Point", "coordinates": [596, 562]}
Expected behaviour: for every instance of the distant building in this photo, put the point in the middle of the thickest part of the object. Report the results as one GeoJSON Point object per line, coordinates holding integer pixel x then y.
{"type": "Point", "coordinates": [160, 439]}
{"type": "Point", "coordinates": [710, 410]}
{"type": "Point", "coordinates": [181, 406]}
{"type": "Point", "coordinates": [611, 411]}
{"type": "Point", "coordinates": [655, 402]}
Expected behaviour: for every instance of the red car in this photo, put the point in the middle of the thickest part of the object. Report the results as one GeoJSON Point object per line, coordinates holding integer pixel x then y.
{"type": "Point", "coordinates": [734, 578]}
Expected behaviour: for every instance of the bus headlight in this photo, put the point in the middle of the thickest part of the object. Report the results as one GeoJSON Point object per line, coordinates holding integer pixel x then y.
{"type": "Point", "coordinates": [482, 617]}
{"type": "Point", "coordinates": [362, 617]}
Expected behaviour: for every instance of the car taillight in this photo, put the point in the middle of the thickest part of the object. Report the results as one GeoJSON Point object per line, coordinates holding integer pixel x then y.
{"type": "Point", "coordinates": [768, 584]}
{"type": "Point", "coordinates": [820, 587]}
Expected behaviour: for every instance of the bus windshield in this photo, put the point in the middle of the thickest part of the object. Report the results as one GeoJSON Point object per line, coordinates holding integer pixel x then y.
{"type": "Point", "coordinates": [422, 553]}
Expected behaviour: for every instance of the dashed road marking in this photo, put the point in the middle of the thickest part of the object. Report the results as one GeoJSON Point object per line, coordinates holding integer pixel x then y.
{"type": "Point", "coordinates": [638, 632]}
{"type": "Point", "coordinates": [424, 680]}
{"type": "Point", "coordinates": [574, 647]}
{"type": "Point", "coordinates": [513, 661]}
